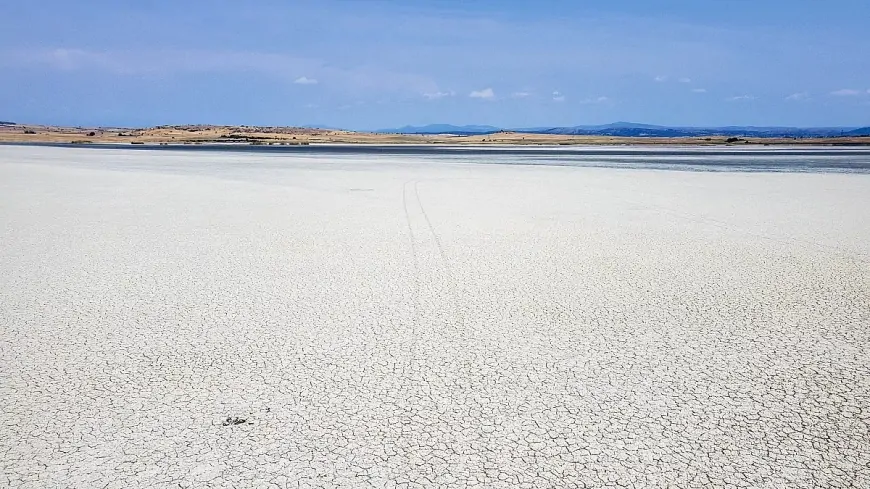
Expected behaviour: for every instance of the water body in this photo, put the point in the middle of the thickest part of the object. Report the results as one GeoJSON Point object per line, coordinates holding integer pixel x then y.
{"type": "Point", "coordinates": [731, 159]}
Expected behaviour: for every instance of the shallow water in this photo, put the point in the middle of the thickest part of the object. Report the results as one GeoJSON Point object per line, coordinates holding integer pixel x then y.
{"type": "Point", "coordinates": [753, 159]}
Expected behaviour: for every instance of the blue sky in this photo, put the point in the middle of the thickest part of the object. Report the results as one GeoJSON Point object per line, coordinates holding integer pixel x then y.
{"type": "Point", "coordinates": [374, 64]}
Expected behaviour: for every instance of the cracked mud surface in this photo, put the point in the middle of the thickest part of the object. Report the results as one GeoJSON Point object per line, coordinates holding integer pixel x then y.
{"type": "Point", "coordinates": [225, 320]}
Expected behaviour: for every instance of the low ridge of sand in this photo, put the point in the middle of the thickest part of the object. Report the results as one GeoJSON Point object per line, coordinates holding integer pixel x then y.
{"type": "Point", "coordinates": [210, 134]}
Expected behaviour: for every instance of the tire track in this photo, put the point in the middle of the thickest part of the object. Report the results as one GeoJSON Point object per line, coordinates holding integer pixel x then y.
{"type": "Point", "coordinates": [444, 260]}
{"type": "Point", "coordinates": [414, 258]}
{"type": "Point", "coordinates": [444, 278]}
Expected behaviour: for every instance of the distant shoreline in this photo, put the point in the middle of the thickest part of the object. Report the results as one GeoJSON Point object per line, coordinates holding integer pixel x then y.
{"type": "Point", "coordinates": [296, 136]}
{"type": "Point", "coordinates": [662, 149]}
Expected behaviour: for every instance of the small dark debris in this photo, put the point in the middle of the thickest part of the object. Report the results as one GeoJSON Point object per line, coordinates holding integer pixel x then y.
{"type": "Point", "coordinates": [234, 420]}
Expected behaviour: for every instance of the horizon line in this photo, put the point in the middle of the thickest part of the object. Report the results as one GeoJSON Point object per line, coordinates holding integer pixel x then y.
{"type": "Point", "coordinates": [496, 128]}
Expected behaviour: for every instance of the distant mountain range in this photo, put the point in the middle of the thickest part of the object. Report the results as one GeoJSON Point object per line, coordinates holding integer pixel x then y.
{"type": "Point", "coordinates": [442, 129]}
{"type": "Point", "coordinates": [631, 129]}
{"type": "Point", "coordinates": [621, 129]}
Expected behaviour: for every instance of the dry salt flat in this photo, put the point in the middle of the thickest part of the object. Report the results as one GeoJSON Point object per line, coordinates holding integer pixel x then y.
{"type": "Point", "coordinates": [221, 319]}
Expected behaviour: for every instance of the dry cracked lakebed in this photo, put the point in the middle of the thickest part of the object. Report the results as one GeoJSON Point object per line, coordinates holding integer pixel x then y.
{"type": "Point", "coordinates": [221, 319]}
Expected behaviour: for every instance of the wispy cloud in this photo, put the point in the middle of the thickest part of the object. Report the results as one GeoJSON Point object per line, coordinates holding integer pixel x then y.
{"type": "Point", "coordinates": [699, 90]}
{"type": "Point", "coordinates": [168, 62]}
{"type": "Point", "coordinates": [596, 100]}
{"type": "Point", "coordinates": [664, 78]}
{"type": "Point", "coordinates": [738, 98]}
{"type": "Point", "coordinates": [437, 95]}
{"type": "Point", "coordinates": [358, 103]}
{"type": "Point", "coordinates": [520, 94]}
{"type": "Point", "coordinates": [486, 93]}
{"type": "Point", "coordinates": [558, 97]}
{"type": "Point", "coordinates": [846, 92]}
{"type": "Point", "coordinates": [798, 96]}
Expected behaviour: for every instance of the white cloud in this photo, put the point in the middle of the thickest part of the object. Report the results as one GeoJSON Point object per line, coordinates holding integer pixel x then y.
{"type": "Point", "coordinates": [699, 90]}
{"type": "Point", "coordinates": [486, 93]}
{"type": "Point", "coordinates": [740, 97]}
{"type": "Point", "coordinates": [520, 94]}
{"type": "Point", "coordinates": [661, 78]}
{"type": "Point", "coordinates": [685, 80]}
{"type": "Point", "coordinates": [304, 80]}
{"type": "Point", "coordinates": [437, 95]}
{"type": "Point", "coordinates": [558, 97]}
{"type": "Point", "coordinates": [596, 100]}
{"type": "Point", "coordinates": [798, 96]}
{"type": "Point", "coordinates": [846, 92]}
